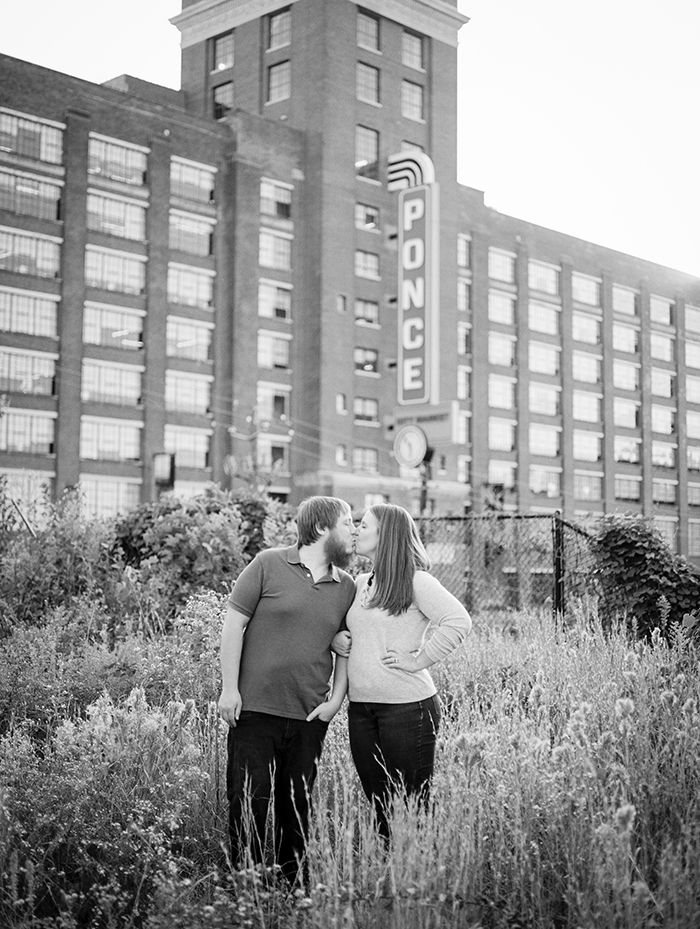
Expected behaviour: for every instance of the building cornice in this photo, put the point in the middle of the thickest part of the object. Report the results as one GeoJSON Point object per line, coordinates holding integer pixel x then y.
{"type": "Point", "coordinates": [435, 18]}
{"type": "Point", "coordinates": [212, 17]}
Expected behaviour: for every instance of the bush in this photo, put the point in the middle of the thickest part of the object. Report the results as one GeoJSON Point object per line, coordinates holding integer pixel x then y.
{"type": "Point", "coordinates": [641, 578]}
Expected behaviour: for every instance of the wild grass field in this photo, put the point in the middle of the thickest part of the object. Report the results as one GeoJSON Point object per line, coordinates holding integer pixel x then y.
{"type": "Point", "coordinates": [566, 792]}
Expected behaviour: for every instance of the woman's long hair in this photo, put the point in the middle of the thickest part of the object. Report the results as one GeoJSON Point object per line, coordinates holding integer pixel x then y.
{"type": "Point", "coordinates": [400, 553]}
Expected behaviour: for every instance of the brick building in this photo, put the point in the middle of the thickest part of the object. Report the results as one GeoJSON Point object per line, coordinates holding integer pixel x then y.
{"type": "Point", "coordinates": [212, 274]}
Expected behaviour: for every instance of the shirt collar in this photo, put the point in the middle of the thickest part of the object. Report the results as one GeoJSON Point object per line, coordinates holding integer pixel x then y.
{"type": "Point", "coordinates": [293, 558]}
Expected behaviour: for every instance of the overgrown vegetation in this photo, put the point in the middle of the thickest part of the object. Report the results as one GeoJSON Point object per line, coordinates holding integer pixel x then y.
{"type": "Point", "coordinates": [567, 789]}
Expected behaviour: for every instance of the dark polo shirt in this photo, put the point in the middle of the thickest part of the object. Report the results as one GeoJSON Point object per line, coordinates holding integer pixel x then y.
{"type": "Point", "coordinates": [286, 662]}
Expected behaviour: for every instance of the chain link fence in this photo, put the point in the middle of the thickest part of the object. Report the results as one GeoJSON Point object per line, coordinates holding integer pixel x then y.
{"type": "Point", "coordinates": [500, 561]}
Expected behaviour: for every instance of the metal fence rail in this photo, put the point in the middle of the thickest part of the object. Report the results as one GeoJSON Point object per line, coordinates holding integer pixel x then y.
{"type": "Point", "coordinates": [503, 561]}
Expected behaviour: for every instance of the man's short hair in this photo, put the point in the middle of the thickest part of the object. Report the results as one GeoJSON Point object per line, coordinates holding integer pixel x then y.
{"type": "Point", "coordinates": [317, 514]}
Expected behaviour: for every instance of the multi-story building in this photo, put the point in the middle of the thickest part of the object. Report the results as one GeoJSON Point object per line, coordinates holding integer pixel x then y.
{"type": "Point", "coordinates": [214, 274]}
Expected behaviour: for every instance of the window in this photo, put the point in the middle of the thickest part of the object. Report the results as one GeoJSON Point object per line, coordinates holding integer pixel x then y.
{"type": "Point", "coordinates": [367, 265]}
{"type": "Point", "coordinates": [543, 359]}
{"type": "Point", "coordinates": [587, 407]}
{"type": "Point", "coordinates": [692, 354]}
{"type": "Point", "coordinates": [31, 138]}
{"type": "Point", "coordinates": [28, 196]}
{"type": "Point", "coordinates": [693, 458]}
{"type": "Point", "coordinates": [694, 494]}
{"type": "Point", "coordinates": [192, 182]}
{"type": "Point", "coordinates": [341, 404]}
{"type": "Point", "coordinates": [275, 250]}
{"type": "Point", "coordinates": [463, 296]}
{"type": "Point", "coordinates": [187, 393]}
{"type": "Point", "coordinates": [543, 399]}
{"type": "Point", "coordinates": [192, 235]}
{"type": "Point", "coordinates": [112, 326]}
{"type": "Point", "coordinates": [366, 152]}
{"type": "Point", "coordinates": [463, 464]}
{"type": "Point", "coordinates": [661, 347]}
{"type": "Point", "coordinates": [585, 289]}
{"type": "Point", "coordinates": [365, 410]}
{"type": "Point", "coordinates": [190, 286]}
{"type": "Point", "coordinates": [190, 446]}
{"type": "Point", "coordinates": [366, 361]}
{"type": "Point", "coordinates": [186, 338]}
{"type": "Point", "coordinates": [501, 392]}
{"type": "Point", "coordinates": [275, 199]}
{"type": "Point", "coordinates": [627, 449]}
{"type": "Point", "coordinates": [116, 217]}
{"type": "Point", "coordinates": [27, 432]}
{"type": "Point", "coordinates": [273, 402]}
{"type": "Point", "coordinates": [663, 419]}
{"type": "Point", "coordinates": [341, 455]}
{"type": "Point", "coordinates": [543, 277]}
{"type": "Point", "coordinates": [585, 328]}
{"type": "Point", "coordinates": [117, 161]}
{"type": "Point", "coordinates": [544, 440]}
{"type": "Point", "coordinates": [463, 382]}
{"type": "Point", "coordinates": [625, 339]}
{"type": "Point", "coordinates": [274, 300]}
{"type": "Point", "coordinates": [663, 455]}
{"type": "Point", "coordinates": [367, 312]}
{"type": "Point", "coordinates": [624, 300]}
{"type": "Point", "coordinates": [33, 314]}
{"type": "Point", "coordinates": [222, 98]}
{"type": "Point", "coordinates": [625, 375]}
{"type": "Point", "coordinates": [412, 50]}
{"type": "Point", "coordinates": [586, 368]}
{"type": "Point", "coordinates": [588, 446]}
{"type": "Point", "coordinates": [588, 487]}
{"type": "Point", "coordinates": [273, 350]}
{"type": "Point", "coordinates": [29, 254]}
{"type": "Point", "coordinates": [543, 317]}
{"type": "Point", "coordinates": [501, 350]}
{"type": "Point", "coordinates": [694, 538]}
{"type": "Point", "coordinates": [693, 424]}
{"type": "Point", "coordinates": [502, 473]}
{"type": "Point", "coordinates": [365, 459]}
{"type": "Point", "coordinates": [366, 217]}
{"type": "Point", "coordinates": [367, 31]}
{"type": "Point", "coordinates": [692, 318]}
{"type": "Point", "coordinates": [279, 29]}
{"type": "Point", "coordinates": [692, 384]}
{"type": "Point", "coordinates": [223, 52]}
{"type": "Point", "coordinates": [109, 440]}
{"type": "Point", "coordinates": [501, 266]}
{"type": "Point", "coordinates": [628, 488]}
{"type": "Point", "coordinates": [341, 303]}
{"type": "Point", "coordinates": [367, 83]}
{"type": "Point", "coordinates": [663, 491]}
{"type": "Point", "coordinates": [501, 307]}
{"type": "Point", "coordinates": [463, 428]}
{"type": "Point", "coordinates": [279, 82]}
{"type": "Point", "coordinates": [411, 100]}
{"type": "Point", "coordinates": [545, 481]}
{"type": "Point", "coordinates": [464, 244]}
{"type": "Point", "coordinates": [660, 310]}
{"type": "Point", "coordinates": [109, 383]}
{"type": "Point", "coordinates": [464, 339]}
{"type": "Point", "coordinates": [626, 413]}
{"type": "Point", "coordinates": [501, 435]}
{"type": "Point", "coordinates": [114, 271]}
{"type": "Point", "coordinates": [105, 498]}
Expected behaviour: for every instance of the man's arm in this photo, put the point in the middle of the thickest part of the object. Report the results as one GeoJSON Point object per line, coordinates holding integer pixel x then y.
{"type": "Point", "coordinates": [327, 710]}
{"type": "Point", "coordinates": [230, 703]}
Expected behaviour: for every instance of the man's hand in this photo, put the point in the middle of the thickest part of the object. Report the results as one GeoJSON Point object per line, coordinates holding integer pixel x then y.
{"type": "Point", "coordinates": [230, 705]}
{"type": "Point", "coordinates": [324, 711]}
{"type": "Point", "coordinates": [342, 643]}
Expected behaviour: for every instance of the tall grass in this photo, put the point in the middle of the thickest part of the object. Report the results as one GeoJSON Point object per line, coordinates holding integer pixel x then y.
{"type": "Point", "coordinates": [566, 794]}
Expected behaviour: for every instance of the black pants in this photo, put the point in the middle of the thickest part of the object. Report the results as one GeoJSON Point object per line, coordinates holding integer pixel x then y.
{"type": "Point", "coordinates": [393, 747]}
{"type": "Point", "coordinates": [272, 756]}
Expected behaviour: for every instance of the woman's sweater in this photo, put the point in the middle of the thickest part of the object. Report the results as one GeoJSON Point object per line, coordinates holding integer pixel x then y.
{"type": "Point", "coordinates": [374, 631]}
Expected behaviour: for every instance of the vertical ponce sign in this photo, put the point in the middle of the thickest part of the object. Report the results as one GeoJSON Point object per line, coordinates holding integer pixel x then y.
{"type": "Point", "coordinates": [418, 261]}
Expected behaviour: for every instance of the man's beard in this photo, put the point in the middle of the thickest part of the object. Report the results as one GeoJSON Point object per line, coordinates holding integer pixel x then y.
{"type": "Point", "coordinates": [336, 552]}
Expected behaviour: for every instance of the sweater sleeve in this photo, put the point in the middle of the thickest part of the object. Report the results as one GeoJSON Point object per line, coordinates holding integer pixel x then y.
{"type": "Point", "coordinates": [451, 622]}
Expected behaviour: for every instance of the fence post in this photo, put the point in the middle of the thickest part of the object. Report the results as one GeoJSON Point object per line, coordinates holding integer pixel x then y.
{"type": "Point", "coordinates": [559, 563]}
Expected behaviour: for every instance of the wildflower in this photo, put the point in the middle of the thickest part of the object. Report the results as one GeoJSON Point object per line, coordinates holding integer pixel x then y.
{"type": "Point", "coordinates": [668, 698]}
{"type": "Point", "coordinates": [624, 707]}
{"type": "Point", "coordinates": [624, 817]}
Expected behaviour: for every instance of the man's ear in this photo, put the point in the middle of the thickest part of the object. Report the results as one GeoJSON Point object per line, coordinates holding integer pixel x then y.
{"type": "Point", "coordinates": [322, 531]}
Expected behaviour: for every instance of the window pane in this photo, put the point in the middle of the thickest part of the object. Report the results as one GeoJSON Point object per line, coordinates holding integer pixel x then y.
{"type": "Point", "coordinates": [367, 83]}
{"type": "Point", "coordinates": [279, 82]}
{"type": "Point", "coordinates": [366, 152]}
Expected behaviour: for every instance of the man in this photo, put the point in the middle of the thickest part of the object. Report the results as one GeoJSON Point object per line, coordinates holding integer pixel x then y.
{"type": "Point", "coordinates": [276, 663]}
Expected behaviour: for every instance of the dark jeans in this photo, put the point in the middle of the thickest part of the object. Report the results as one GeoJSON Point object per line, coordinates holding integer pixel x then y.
{"type": "Point", "coordinates": [393, 747]}
{"type": "Point", "coordinates": [271, 758]}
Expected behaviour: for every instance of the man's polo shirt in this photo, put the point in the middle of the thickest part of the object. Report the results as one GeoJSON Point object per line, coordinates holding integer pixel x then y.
{"type": "Point", "coordinates": [286, 662]}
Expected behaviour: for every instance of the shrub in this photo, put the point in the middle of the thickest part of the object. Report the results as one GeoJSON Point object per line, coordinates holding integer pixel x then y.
{"type": "Point", "coordinates": [640, 577]}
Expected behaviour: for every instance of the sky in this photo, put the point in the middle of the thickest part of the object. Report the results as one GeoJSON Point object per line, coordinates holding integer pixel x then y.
{"type": "Point", "coordinates": [578, 116]}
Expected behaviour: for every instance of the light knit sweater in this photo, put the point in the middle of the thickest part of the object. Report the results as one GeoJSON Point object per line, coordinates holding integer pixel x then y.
{"type": "Point", "coordinates": [374, 630]}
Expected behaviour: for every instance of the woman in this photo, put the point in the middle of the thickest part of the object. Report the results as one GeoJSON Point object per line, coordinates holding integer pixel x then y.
{"type": "Point", "coordinates": [394, 711]}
